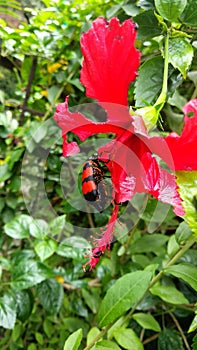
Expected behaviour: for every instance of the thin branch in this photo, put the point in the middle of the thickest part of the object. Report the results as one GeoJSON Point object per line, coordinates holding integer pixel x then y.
{"type": "Point", "coordinates": [180, 330]}
{"type": "Point", "coordinates": [28, 90]}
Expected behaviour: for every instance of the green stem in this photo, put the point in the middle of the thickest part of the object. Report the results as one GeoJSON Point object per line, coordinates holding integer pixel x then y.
{"type": "Point", "coordinates": [162, 97]}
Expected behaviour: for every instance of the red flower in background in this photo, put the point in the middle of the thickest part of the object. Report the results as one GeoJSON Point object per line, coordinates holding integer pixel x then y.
{"type": "Point", "coordinates": [110, 64]}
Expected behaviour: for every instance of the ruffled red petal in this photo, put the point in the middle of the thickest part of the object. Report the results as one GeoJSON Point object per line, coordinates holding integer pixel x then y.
{"type": "Point", "coordinates": [110, 60]}
{"type": "Point", "coordinates": [161, 184]}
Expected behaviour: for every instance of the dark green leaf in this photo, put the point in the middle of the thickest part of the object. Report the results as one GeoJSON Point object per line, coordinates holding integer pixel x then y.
{"type": "Point", "coordinates": [73, 341]}
{"type": "Point", "coordinates": [50, 294]}
{"type": "Point", "coordinates": [122, 296]}
{"type": "Point", "coordinates": [187, 272]}
{"type": "Point", "coordinates": [149, 82]}
{"type": "Point", "coordinates": [148, 26]}
{"type": "Point", "coordinates": [29, 273]}
{"type": "Point", "coordinates": [24, 302]}
{"type": "Point", "coordinates": [170, 339]}
{"type": "Point", "coordinates": [189, 15]}
{"type": "Point", "coordinates": [149, 243]}
{"type": "Point", "coordinates": [180, 54]}
{"type": "Point", "coordinates": [7, 311]}
{"type": "Point", "coordinates": [170, 9]}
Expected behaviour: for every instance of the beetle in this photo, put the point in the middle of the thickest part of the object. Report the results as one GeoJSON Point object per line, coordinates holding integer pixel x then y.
{"type": "Point", "coordinates": [93, 188]}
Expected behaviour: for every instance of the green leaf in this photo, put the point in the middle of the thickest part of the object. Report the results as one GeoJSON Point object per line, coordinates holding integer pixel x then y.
{"type": "Point", "coordinates": [186, 272]}
{"type": "Point", "coordinates": [56, 225]}
{"type": "Point", "coordinates": [5, 173]}
{"type": "Point", "coordinates": [106, 345]}
{"type": "Point", "coordinates": [186, 181]}
{"type": "Point", "coordinates": [122, 296]}
{"type": "Point", "coordinates": [21, 227]}
{"type": "Point", "coordinates": [94, 331]}
{"type": "Point", "coordinates": [147, 321]}
{"type": "Point", "coordinates": [53, 92]}
{"type": "Point", "coordinates": [173, 246]}
{"type": "Point", "coordinates": [182, 233]}
{"type": "Point", "coordinates": [24, 303]}
{"type": "Point", "coordinates": [180, 54]}
{"type": "Point", "coordinates": [50, 294]}
{"type": "Point", "coordinates": [128, 339]}
{"type": "Point", "coordinates": [149, 82]}
{"type": "Point", "coordinates": [39, 338]}
{"type": "Point", "coordinates": [148, 25]}
{"type": "Point", "coordinates": [17, 332]}
{"type": "Point", "coordinates": [74, 340]}
{"type": "Point", "coordinates": [146, 4]}
{"type": "Point", "coordinates": [170, 339]}
{"type": "Point", "coordinates": [193, 325]}
{"type": "Point", "coordinates": [189, 15]}
{"type": "Point", "coordinates": [170, 9]}
{"type": "Point", "coordinates": [29, 273]}
{"type": "Point", "coordinates": [194, 343]}
{"type": "Point", "coordinates": [169, 294]}
{"type": "Point", "coordinates": [7, 311]}
{"type": "Point", "coordinates": [44, 249]}
{"type": "Point", "coordinates": [149, 243]}
{"type": "Point", "coordinates": [130, 9]}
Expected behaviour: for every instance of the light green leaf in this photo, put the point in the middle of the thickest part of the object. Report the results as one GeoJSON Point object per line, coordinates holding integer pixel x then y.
{"type": "Point", "coordinates": [149, 82]}
{"type": "Point", "coordinates": [106, 345]}
{"type": "Point", "coordinates": [122, 296]}
{"type": "Point", "coordinates": [21, 227]}
{"type": "Point", "coordinates": [5, 173]}
{"type": "Point", "coordinates": [180, 54]}
{"type": "Point", "coordinates": [187, 182]}
{"type": "Point", "coordinates": [193, 325]}
{"type": "Point", "coordinates": [56, 225]}
{"type": "Point", "coordinates": [147, 321]}
{"type": "Point", "coordinates": [7, 311]}
{"type": "Point", "coordinates": [169, 294]}
{"type": "Point", "coordinates": [185, 271]}
{"type": "Point", "coordinates": [170, 9]}
{"type": "Point", "coordinates": [44, 249]}
{"type": "Point", "coordinates": [73, 341]}
{"type": "Point", "coordinates": [128, 339]}
{"type": "Point", "coordinates": [94, 331]}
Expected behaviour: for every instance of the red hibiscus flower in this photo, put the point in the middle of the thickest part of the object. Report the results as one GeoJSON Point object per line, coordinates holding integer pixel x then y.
{"type": "Point", "coordinates": [110, 64]}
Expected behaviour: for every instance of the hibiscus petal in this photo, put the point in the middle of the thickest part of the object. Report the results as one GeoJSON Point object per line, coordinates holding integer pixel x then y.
{"type": "Point", "coordinates": [179, 151]}
{"type": "Point", "coordinates": [161, 184]}
{"type": "Point", "coordinates": [110, 60]}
